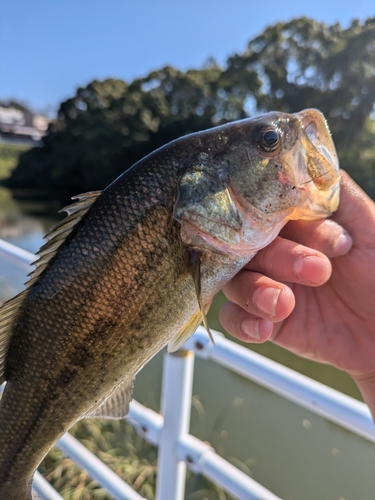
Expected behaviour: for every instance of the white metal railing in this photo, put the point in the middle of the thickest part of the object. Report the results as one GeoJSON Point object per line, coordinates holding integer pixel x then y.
{"type": "Point", "coordinates": [177, 448]}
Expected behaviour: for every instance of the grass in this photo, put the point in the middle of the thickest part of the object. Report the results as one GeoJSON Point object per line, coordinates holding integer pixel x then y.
{"type": "Point", "coordinates": [9, 154]}
{"type": "Point", "coordinates": [119, 446]}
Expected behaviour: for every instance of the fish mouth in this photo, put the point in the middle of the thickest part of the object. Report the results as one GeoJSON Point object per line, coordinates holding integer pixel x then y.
{"type": "Point", "coordinates": [320, 155]}
{"type": "Point", "coordinates": [316, 167]}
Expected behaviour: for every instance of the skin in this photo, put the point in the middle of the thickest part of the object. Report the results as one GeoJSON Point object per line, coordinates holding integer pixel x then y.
{"type": "Point", "coordinates": [312, 291]}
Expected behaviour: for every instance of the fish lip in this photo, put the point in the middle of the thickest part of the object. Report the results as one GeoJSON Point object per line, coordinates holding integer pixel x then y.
{"type": "Point", "coordinates": [321, 159]}
{"type": "Point", "coordinates": [314, 162]}
{"type": "Point", "coordinates": [313, 209]}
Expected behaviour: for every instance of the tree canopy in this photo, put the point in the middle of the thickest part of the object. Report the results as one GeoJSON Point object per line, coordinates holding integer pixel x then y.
{"type": "Point", "coordinates": [109, 125]}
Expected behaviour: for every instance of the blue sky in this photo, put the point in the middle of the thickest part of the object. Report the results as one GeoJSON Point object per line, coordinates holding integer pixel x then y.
{"type": "Point", "coordinates": [49, 48]}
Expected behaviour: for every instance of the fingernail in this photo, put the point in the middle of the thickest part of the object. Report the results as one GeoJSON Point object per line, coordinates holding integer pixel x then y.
{"type": "Point", "coordinates": [256, 329]}
{"type": "Point", "coordinates": [265, 299]}
{"type": "Point", "coordinates": [310, 269]}
{"type": "Point", "coordinates": [343, 244]}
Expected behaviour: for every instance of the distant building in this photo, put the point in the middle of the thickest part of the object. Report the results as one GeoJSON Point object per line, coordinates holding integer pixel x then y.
{"type": "Point", "coordinates": [17, 125]}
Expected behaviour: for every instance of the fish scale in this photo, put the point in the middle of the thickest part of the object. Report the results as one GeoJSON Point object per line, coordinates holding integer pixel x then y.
{"type": "Point", "coordinates": [134, 268]}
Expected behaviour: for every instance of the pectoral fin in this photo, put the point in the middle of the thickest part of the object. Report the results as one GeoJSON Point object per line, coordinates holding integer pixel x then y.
{"type": "Point", "coordinates": [185, 332]}
{"type": "Point", "coordinates": [195, 268]}
{"type": "Point", "coordinates": [116, 405]}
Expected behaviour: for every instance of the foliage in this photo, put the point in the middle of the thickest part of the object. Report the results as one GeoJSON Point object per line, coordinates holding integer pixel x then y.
{"type": "Point", "coordinates": [109, 125]}
{"type": "Point", "coordinates": [9, 155]}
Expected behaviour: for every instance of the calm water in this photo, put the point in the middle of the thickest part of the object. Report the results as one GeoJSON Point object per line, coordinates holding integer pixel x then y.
{"type": "Point", "coordinates": [297, 455]}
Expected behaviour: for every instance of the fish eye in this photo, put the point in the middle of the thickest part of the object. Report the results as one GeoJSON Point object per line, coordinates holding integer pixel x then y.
{"type": "Point", "coordinates": [267, 140]}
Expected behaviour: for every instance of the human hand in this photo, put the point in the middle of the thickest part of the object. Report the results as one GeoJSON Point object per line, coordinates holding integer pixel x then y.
{"type": "Point", "coordinates": [318, 285]}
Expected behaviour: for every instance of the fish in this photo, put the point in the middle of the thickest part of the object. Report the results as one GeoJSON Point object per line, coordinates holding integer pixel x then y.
{"type": "Point", "coordinates": [135, 267]}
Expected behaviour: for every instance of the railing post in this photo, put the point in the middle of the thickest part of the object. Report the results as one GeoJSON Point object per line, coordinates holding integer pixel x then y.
{"type": "Point", "coordinates": [175, 407]}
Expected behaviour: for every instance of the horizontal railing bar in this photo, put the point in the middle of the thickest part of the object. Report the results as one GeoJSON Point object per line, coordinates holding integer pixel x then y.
{"type": "Point", "coordinates": [97, 469]}
{"type": "Point", "coordinates": [316, 397]}
{"type": "Point", "coordinates": [44, 489]}
{"type": "Point", "coordinates": [202, 459]}
{"type": "Point", "coordinates": [147, 422]}
{"type": "Point", "coordinates": [16, 255]}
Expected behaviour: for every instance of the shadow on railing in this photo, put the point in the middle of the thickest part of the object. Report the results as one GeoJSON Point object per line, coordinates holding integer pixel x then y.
{"type": "Point", "coordinates": [170, 432]}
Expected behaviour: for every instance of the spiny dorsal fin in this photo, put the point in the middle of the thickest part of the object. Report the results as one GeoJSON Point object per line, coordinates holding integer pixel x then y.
{"type": "Point", "coordinates": [195, 269]}
{"type": "Point", "coordinates": [116, 405]}
{"type": "Point", "coordinates": [8, 313]}
{"type": "Point", "coordinates": [58, 234]}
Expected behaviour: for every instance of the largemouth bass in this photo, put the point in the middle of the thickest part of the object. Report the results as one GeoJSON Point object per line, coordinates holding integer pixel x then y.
{"type": "Point", "coordinates": [136, 267]}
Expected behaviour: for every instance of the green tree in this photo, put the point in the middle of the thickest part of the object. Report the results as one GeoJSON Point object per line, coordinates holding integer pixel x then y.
{"type": "Point", "coordinates": [107, 126]}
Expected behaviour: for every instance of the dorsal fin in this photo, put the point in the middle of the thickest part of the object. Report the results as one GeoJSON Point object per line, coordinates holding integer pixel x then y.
{"type": "Point", "coordinates": [8, 312]}
{"type": "Point", "coordinates": [56, 237]}
{"type": "Point", "coordinates": [58, 233]}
